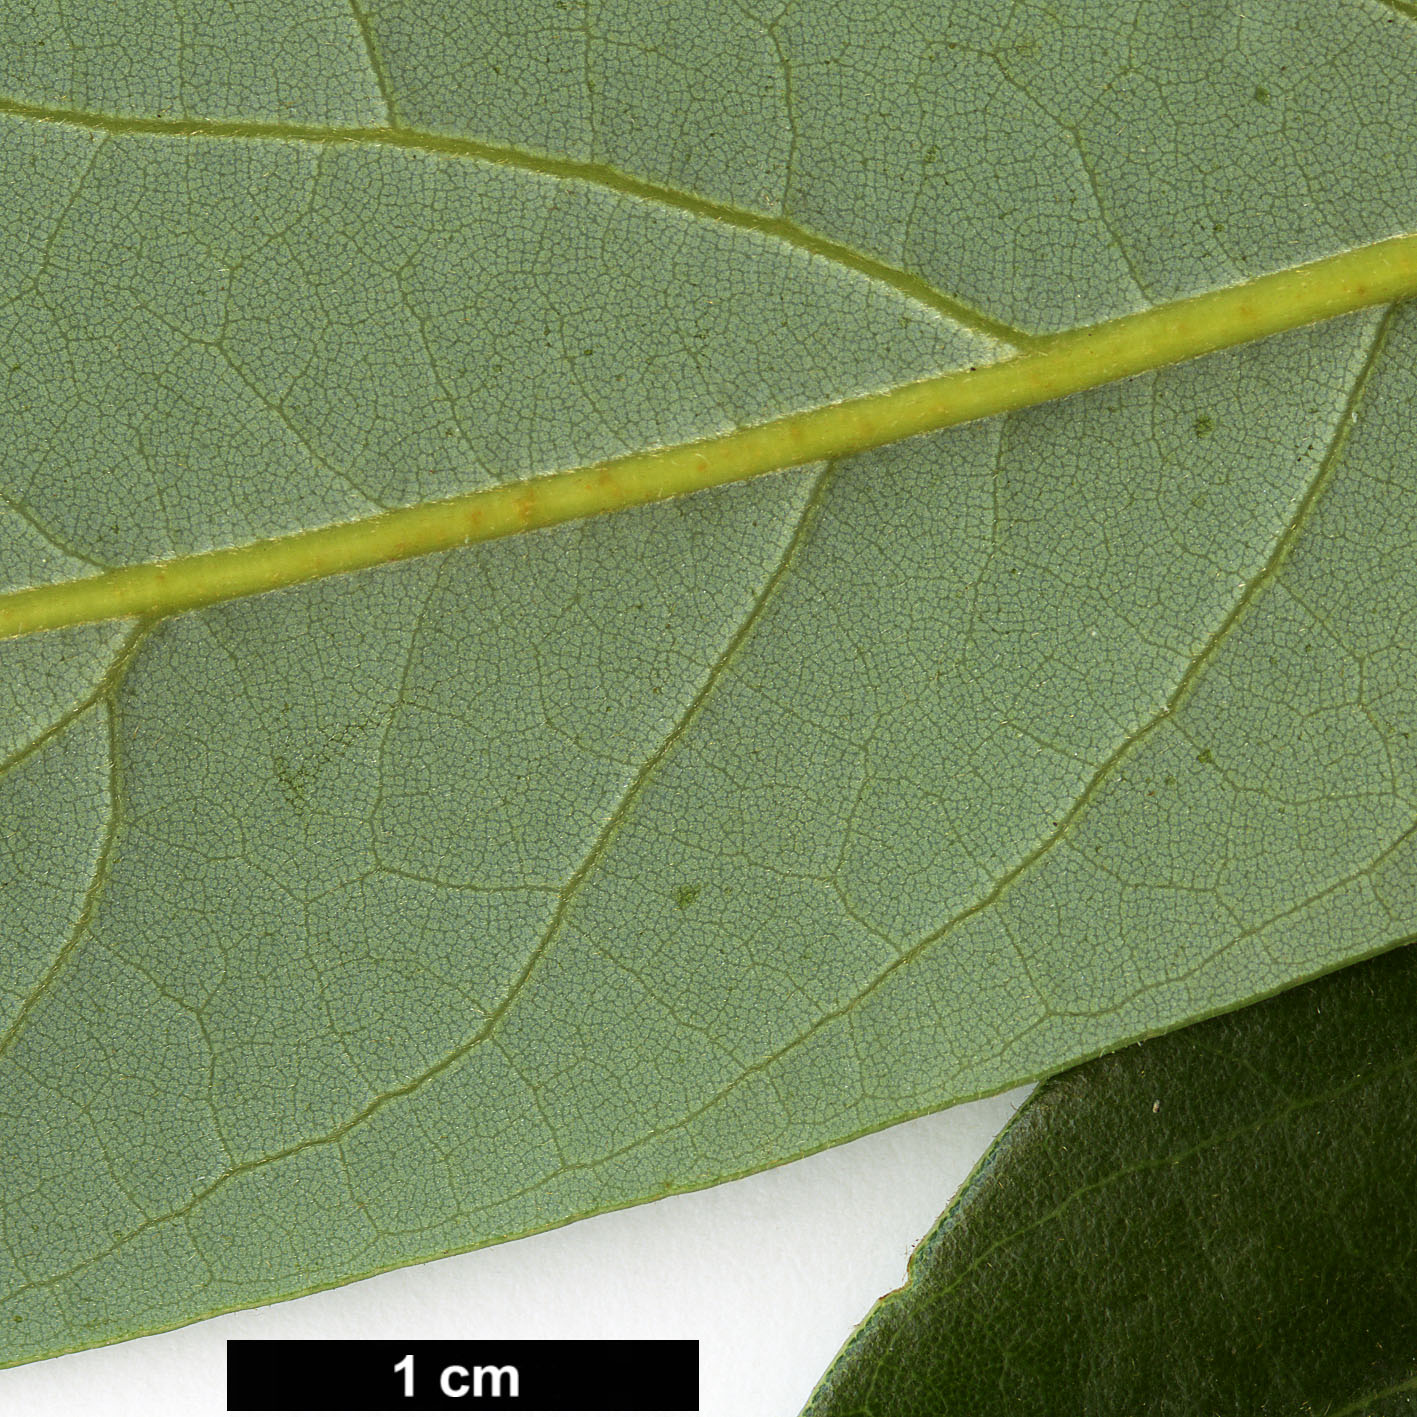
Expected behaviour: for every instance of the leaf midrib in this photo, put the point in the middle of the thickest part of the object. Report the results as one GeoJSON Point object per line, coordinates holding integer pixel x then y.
{"type": "Point", "coordinates": [1071, 362]}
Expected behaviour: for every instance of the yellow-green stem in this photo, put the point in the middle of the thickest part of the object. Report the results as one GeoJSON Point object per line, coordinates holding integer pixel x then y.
{"type": "Point", "coordinates": [1059, 364]}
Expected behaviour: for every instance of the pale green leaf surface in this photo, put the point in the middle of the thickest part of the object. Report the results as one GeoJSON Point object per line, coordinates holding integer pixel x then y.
{"type": "Point", "coordinates": [405, 912]}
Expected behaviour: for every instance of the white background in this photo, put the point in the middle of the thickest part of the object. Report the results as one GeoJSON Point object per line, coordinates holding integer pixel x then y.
{"type": "Point", "coordinates": [770, 1273]}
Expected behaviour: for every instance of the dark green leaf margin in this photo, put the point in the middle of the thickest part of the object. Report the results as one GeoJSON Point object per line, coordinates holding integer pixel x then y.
{"type": "Point", "coordinates": [1220, 1221]}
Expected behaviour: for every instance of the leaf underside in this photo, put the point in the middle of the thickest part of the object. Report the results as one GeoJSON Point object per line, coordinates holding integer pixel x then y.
{"type": "Point", "coordinates": [1219, 1221]}
{"type": "Point", "coordinates": [402, 913]}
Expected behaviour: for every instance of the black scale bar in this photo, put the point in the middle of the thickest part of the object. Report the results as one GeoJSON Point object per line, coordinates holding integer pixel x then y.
{"type": "Point", "coordinates": [574, 1375]}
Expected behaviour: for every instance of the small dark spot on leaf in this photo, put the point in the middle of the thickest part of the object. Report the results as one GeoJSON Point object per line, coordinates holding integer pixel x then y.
{"type": "Point", "coordinates": [1204, 426]}
{"type": "Point", "coordinates": [1261, 94]}
{"type": "Point", "coordinates": [291, 780]}
{"type": "Point", "coordinates": [685, 896]}
{"type": "Point", "coordinates": [1205, 756]}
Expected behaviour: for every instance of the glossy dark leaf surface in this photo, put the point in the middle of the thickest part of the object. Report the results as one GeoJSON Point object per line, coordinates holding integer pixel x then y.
{"type": "Point", "coordinates": [1221, 1221]}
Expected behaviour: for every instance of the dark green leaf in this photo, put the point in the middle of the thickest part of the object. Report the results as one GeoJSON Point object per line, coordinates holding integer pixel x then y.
{"type": "Point", "coordinates": [1221, 1221]}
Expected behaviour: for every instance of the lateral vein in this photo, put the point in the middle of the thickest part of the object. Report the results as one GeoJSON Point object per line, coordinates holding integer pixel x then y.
{"type": "Point", "coordinates": [598, 174]}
